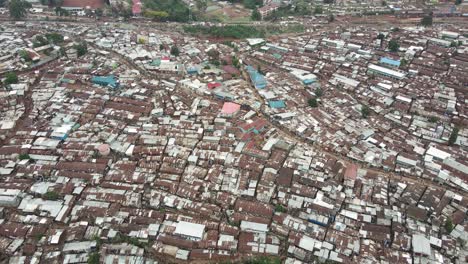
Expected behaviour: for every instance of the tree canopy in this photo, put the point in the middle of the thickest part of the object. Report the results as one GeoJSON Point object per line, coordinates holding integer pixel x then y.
{"type": "Point", "coordinates": [453, 136]}
{"type": "Point", "coordinates": [156, 15]}
{"type": "Point", "coordinates": [177, 10]}
{"type": "Point", "coordinates": [426, 21]}
{"type": "Point", "coordinates": [19, 9]}
{"type": "Point", "coordinates": [11, 78]}
{"type": "Point", "coordinates": [312, 102]}
{"type": "Point", "coordinates": [393, 45]}
{"type": "Point", "coordinates": [256, 15]}
{"type": "Point", "coordinates": [175, 51]}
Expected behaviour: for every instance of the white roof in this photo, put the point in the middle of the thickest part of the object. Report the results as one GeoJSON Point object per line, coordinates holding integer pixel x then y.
{"type": "Point", "coordinates": [252, 226]}
{"type": "Point", "coordinates": [438, 153]}
{"type": "Point", "coordinates": [421, 245]}
{"type": "Point", "coordinates": [190, 229]}
{"type": "Point", "coordinates": [396, 74]}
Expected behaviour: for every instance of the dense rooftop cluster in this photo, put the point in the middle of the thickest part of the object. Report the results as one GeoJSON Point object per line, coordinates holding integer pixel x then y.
{"type": "Point", "coordinates": [147, 146]}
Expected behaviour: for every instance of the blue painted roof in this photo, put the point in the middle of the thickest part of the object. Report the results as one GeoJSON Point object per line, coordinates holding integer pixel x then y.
{"type": "Point", "coordinates": [277, 104]}
{"type": "Point", "coordinates": [105, 80]}
{"type": "Point", "coordinates": [386, 60]}
{"type": "Point", "coordinates": [308, 81]}
{"type": "Point", "coordinates": [257, 79]}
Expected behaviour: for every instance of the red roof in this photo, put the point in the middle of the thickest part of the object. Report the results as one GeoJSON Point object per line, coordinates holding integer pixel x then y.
{"type": "Point", "coordinates": [92, 4]}
{"type": "Point", "coordinates": [136, 8]}
{"type": "Point", "coordinates": [351, 172]}
{"type": "Point", "coordinates": [230, 69]}
{"type": "Point", "coordinates": [230, 108]}
{"type": "Point", "coordinates": [213, 85]}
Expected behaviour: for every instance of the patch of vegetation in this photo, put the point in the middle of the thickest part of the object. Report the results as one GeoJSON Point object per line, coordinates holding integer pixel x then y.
{"type": "Point", "coordinates": [312, 102]}
{"type": "Point", "coordinates": [177, 10]}
{"type": "Point", "coordinates": [433, 119]}
{"type": "Point", "coordinates": [403, 62]}
{"type": "Point", "coordinates": [11, 78]}
{"type": "Point", "coordinates": [94, 258]}
{"type": "Point", "coordinates": [263, 260]}
{"type": "Point", "coordinates": [426, 21]}
{"type": "Point", "coordinates": [393, 45]}
{"type": "Point", "coordinates": [448, 225]}
{"type": "Point", "coordinates": [156, 15]}
{"type": "Point", "coordinates": [300, 9]}
{"type": "Point", "coordinates": [24, 157]}
{"type": "Point", "coordinates": [251, 4]}
{"type": "Point", "coordinates": [24, 55]}
{"type": "Point", "coordinates": [453, 136]}
{"type": "Point", "coordinates": [365, 111]}
{"type": "Point", "coordinates": [241, 31]}
{"type": "Point", "coordinates": [175, 51]}
{"type": "Point", "coordinates": [279, 208]}
{"type": "Point", "coordinates": [256, 15]}
{"type": "Point", "coordinates": [38, 236]}
{"type": "Point", "coordinates": [81, 48]}
{"type": "Point", "coordinates": [18, 8]}
{"type": "Point", "coordinates": [318, 92]}
{"type": "Point", "coordinates": [55, 38]}
{"type": "Point", "coordinates": [40, 41]}
{"type": "Point", "coordinates": [51, 195]}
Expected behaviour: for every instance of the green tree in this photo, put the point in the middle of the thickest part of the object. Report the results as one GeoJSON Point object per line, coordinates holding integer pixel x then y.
{"type": "Point", "coordinates": [457, 2]}
{"type": "Point", "coordinates": [251, 4]}
{"type": "Point", "coordinates": [213, 55]}
{"type": "Point", "coordinates": [175, 51]}
{"type": "Point", "coordinates": [331, 18]}
{"type": "Point", "coordinates": [202, 5]}
{"type": "Point", "coordinates": [279, 208]}
{"type": "Point", "coordinates": [318, 92]}
{"type": "Point", "coordinates": [24, 157]}
{"type": "Point", "coordinates": [177, 9]}
{"type": "Point", "coordinates": [380, 36]}
{"type": "Point", "coordinates": [55, 38]}
{"type": "Point", "coordinates": [328, 1]}
{"type": "Point", "coordinates": [318, 10]}
{"type": "Point", "coordinates": [393, 45]}
{"type": "Point", "coordinates": [426, 21]}
{"type": "Point", "coordinates": [156, 15]}
{"type": "Point", "coordinates": [448, 225]}
{"type": "Point", "coordinates": [99, 12]}
{"type": "Point", "coordinates": [312, 102]}
{"type": "Point", "coordinates": [161, 47]}
{"type": "Point", "coordinates": [51, 195]}
{"type": "Point", "coordinates": [433, 119]}
{"type": "Point", "coordinates": [403, 62]}
{"type": "Point", "coordinates": [256, 15]}
{"type": "Point", "coordinates": [40, 41]}
{"type": "Point", "coordinates": [81, 48]}
{"type": "Point", "coordinates": [2, 3]}
{"type": "Point", "coordinates": [11, 78]}
{"type": "Point", "coordinates": [24, 55]}
{"type": "Point", "coordinates": [18, 9]}
{"type": "Point", "coordinates": [453, 136]}
{"type": "Point", "coordinates": [263, 260]}
{"type": "Point", "coordinates": [93, 258]}
{"type": "Point", "coordinates": [365, 111]}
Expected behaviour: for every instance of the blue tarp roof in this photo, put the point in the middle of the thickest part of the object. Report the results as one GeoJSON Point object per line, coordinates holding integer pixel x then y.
{"type": "Point", "coordinates": [386, 60]}
{"type": "Point", "coordinates": [277, 104]}
{"type": "Point", "coordinates": [308, 81]}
